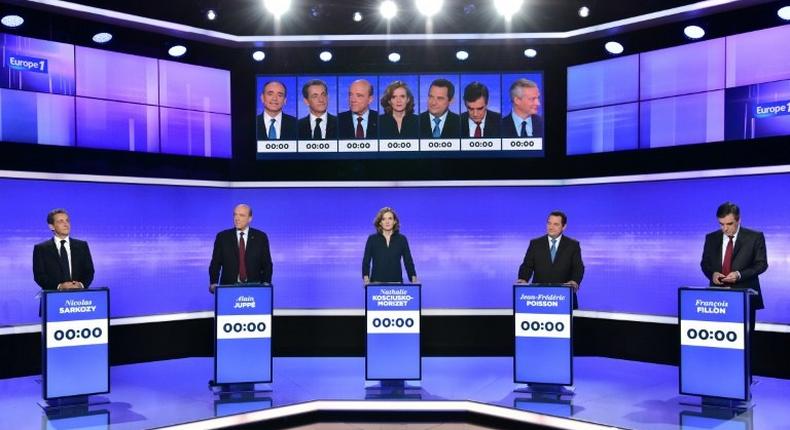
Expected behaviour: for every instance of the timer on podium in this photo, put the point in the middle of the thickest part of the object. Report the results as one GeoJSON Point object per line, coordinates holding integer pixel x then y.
{"type": "Point", "coordinates": [714, 345]}
{"type": "Point", "coordinates": [543, 353]}
{"type": "Point", "coordinates": [242, 337]}
{"type": "Point", "coordinates": [75, 351]}
{"type": "Point", "coordinates": [392, 347]}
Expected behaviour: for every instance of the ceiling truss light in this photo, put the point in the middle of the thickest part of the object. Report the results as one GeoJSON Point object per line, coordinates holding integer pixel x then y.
{"type": "Point", "coordinates": [429, 8]}
{"type": "Point", "coordinates": [508, 8]}
{"type": "Point", "coordinates": [394, 57]}
{"type": "Point", "coordinates": [12, 21]}
{"type": "Point", "coordinates": [388, 9]}
{"type": "Point", "coordinates": [325, 56]}
{"type": "Point", "coordinates": [584, 11]}
{"type": "Point", "coordinates": [211, 15]}
{"type": "Point", "coordinates": [530, 53]}
{"type": "Point", "coordinates": [277, 8]}
{"type": "Point", "coordinates": [258, 56]}
{"type": "Point", "coordinates": [462, 55]}
{"type": "Point", "coordinates": [102, 37]}
{"type": "Point", "coordinates": [614, 48]}
{"type": "Point", "coordinates": [177, 50]}
{"type": "Point", "coordinates": [357, 17]}
{"type": "Point", "coordinates": [694, 32]}
{"type": "Point", "coordinates": [784, 13]}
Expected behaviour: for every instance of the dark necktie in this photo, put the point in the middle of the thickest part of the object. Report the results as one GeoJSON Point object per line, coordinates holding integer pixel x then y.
{"type": "Point", "coordinates": [478, 130]}
{"type": "Point", "coordinates": [317, 129]}
{"type": "Point", "coordinates": [523, 129]}
{"type": "Point", "coordinates": [360, 133]}
{"type": "Point", "coordinates": [64, 260]}
{"type": "Point", "coordinates": [726, 265]}
{"type": "Point", "coordinates": [272, 131]}
{"type": "Point", "coordinates": [242, 258]}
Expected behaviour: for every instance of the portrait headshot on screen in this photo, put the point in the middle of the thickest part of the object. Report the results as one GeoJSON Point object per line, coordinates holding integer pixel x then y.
{"type": "Point", "coordinates": [524, 120]}
{"type": "Point", "coordinates": [478, 120]}
{"type": "Point", "coordinates": [241, 254]}
{"type": "Point", "coordinates": [318, 124]}
{"type": "Point", "coordinates": [554, 258]}
{"type": "Point", "coordinates": [62, 262]}
{"type": "Point", "coordinates": [399, 120]}
{"type": "Point", "coordinates": [735, 256]}
{"type": "Point", "coordinates": [438, 122]}
{"type": "Point", "coordinates": [385, 249]}
{"type": "Point", "coordinates": [273, 123]}
{"type": "Point", "coordinates": [359, 122]}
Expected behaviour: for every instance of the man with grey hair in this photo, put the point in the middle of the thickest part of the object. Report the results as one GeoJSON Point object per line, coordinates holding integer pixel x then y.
{"type": "Point", "coordinates": [241, 254]}
{"type": "Point", "coordinates": [524, 120]}
{"type": "Point", "coordinates": [62, 262]}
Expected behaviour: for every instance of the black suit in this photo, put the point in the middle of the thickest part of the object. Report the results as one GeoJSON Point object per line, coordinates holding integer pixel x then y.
{"type": "Point", "coordinates": [749, 257]}
{"type": "Point", "coordinates": [306, 133]}
{"type": "Point", "coordinates": [347, 125]}
{"type": "Point", "coordinates": [48, 272]}
{"type": "Point", "coordinates": [491, 125]}
{"type": "Point", "coordinates": [389, 128]}
{"type": "Point", "coordinates": [225, 258]}
{"type": "Point", "coordinates": [567, 265]}
{"type": "Point", "coordinates": [509, 127]}
{"type": "Point", "coordinates": [451, 128]}
{"type": "Point", "coordinates": [287, 128]}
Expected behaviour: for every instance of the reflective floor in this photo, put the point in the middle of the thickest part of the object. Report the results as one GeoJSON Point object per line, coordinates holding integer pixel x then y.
{"type": "Point", "coordinates": [608, 391]}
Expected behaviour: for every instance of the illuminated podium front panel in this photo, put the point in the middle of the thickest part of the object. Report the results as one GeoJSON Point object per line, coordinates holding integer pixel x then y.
{"type": "Point", "coordinates": [75, 335]}
{"type": "Point", "coordinates": [243, 334]}
{"type": "Point", "coordinates": [714, 342]}
{"type": "Point", "coordinates": [392, 348]}
{"type": "Point", "coordinates": [543, 341]}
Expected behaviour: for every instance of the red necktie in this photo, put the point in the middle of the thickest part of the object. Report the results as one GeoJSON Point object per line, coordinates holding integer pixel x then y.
{"type": "Point", "coordinates": [360, 134]}
{"type": "Point", "coordinates": [726, 265]}
{"type": "Point", "coordinates": [478, 130]}
{"type": "Point", "coordinates": [242, 259]}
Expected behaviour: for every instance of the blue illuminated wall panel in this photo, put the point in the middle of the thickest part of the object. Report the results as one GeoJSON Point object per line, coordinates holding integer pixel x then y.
{"type": "Point", "coordinates": [682, 120]}
{"type": "Point", "coordinates": [114, 125]}
{"type": "Point", "coordinates": [603, 83]}
{"type": "Point", "coordinates": [192, 87]}
{"type": "Point", "coordinates": [684, 69]}
{"type": "Point", "coordinates": [116, 76]}
{"type": "Point", "coordinates": [605, 129]}
{"type": "Point", "coordinates": [758, 56]}
{"type": "Point", "coordinates": [187, 132]}
{"type": "Point", "coordinates": [36, 65]}
{"type": "Point", "coordinates": [28, 117]}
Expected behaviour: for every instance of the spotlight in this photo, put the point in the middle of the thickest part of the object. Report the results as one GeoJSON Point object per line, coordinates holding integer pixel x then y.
{"type": "Point", "coordinates": [462, 55]}
{"type": "Point", "coordinates": [357, 17]}
{"type": "Point", "coordinates": [177, 50]}
{"type": "Point", "coordinates": [694, 32]}
{"type": "Point", "coordinates": [584, 11]}
{"type": "Point", "coordinates": [388, 9]}
{"type": "Point", "coordinates": [325, 56]}
{"type": "Point", "coordinates": [277, 7]}
{"type": "Point", "coordinates": [102, 37]}
{"type": "Point", "coordinates": [394, 57]}
{"type": "Point", "coordinates": [12, 21]}
{"type": "Point", "coordinates": [783, 13]}
{"type": "Point", "coordinates": [258, 55]}
{"type": "Point", "coordinates": [508, 8]}
{"type": "Point", "coordinates": [530, 53]}
{"type": "Point", "coordinates": [211, 15]}
{"type": "Point", "coordinates": [614, 48]}
{"type": "Point", "coordinates": [429, 8]}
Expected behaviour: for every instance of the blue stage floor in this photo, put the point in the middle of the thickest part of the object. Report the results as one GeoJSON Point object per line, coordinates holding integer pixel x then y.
{"type": "Point", "coordinates": [611, 392]}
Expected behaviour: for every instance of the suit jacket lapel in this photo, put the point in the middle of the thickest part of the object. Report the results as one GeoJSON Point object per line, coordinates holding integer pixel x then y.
{"type": "Point", "coordinates": [739, 243]}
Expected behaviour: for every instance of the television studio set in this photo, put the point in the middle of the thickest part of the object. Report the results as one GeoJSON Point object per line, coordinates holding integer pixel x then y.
{"type": "Point", "coordinates": [395, 214]}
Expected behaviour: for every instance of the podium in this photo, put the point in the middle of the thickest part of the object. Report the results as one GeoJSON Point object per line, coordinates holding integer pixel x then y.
{"type": "Point", "coordinates": [714, 343]}
{"type": "Point", "coordinates": [242, 335]}
{"type": "Point", "coordinates": [75, 345]}
{"type": "Point", "coordinates": [392, 346]}
{"type": "Point", "coordinates": [543, 353]}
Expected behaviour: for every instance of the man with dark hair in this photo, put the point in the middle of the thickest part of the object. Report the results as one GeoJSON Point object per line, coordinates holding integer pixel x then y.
{"type": "Point", "coordinates": [735, 256]}
{"type": "Point", "coordinates": [63, 262]}
{"type": "Point", "coordinates": [273, 123]}
{"type": "Point", "coordinates": [524, 120]}
{"type": "Point", "coordinates": [318, 123]}
{"type": "Point", "coordinates": [438, 122]}
{"type": "Point", "coordinates": [554, 258]}
{"type": "Point", "coordinates": [241, 254]}
{"type": "Point", "coordinates": [359, 122]}
{"type": "Point", "coordinates": [478, 120]}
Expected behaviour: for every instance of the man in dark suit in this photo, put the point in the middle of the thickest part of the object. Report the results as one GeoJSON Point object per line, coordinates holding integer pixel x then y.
{"type": "Point", "coordinates": [318, 124]}
{"type": "Point", "coordinates": [438, 122]}
{"type": "Point", "coordinates": [478, 121]}
{"type": "Point", "coordinates": [63, 262]}
{"type": "Point", "coordinates": [554, 258]}
{"type": "Point", "coordinates": [359, 122]}
{"type": "Point", "coordinates": [273, 123]}
{"type": "Point", "coordinates": [524, 120]}
{"type": "Point", "coordinates": [735, 256]}
{"type": "Point", "coordinates": [241, 254]}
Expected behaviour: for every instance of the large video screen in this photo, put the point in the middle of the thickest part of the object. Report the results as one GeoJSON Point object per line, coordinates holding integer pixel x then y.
{"type": "Point", "coordinates": [400, 116]}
